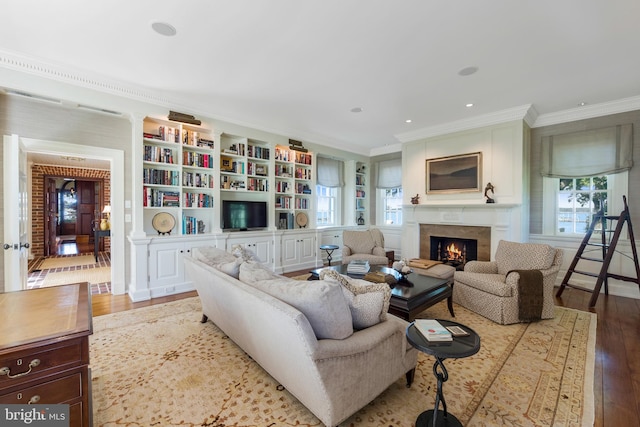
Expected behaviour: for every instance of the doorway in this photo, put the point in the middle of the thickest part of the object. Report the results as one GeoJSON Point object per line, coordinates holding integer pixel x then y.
{"type": "Point", "coordinates": [114, 160]}
{"type": "Point", "coordinates": [72, 208]}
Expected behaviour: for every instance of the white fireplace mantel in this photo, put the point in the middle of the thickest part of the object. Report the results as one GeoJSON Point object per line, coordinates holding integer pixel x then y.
{"type": "Point", "coordinates": [506, 222]}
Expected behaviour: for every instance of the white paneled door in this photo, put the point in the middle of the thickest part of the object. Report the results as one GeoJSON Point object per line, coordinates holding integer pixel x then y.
{"type": "Point", "coordinates": [16, 214]}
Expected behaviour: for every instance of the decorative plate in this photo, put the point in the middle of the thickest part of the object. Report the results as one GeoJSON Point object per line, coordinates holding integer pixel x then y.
{"type": "Point", "coordinates": [302, 219]}
{"type": "Point", "coordinates": [163, 222]}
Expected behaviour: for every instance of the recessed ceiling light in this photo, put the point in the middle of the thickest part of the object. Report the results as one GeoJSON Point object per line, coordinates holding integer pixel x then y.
{"type": "Point", "coordinates": [408, 121]}
{"type": "Point", "coordinates": [469, 105]}
{"type": "Point", "coordinates": [164, 29]}
{"type": "Point", "coordinates": [582, 104]}
{"type": "Point", "coordinates": [356, 110]}
{"type": "Point", "coordinates": [467, 71]}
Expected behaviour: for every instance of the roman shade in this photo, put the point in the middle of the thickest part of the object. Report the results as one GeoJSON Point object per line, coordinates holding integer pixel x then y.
{"type": "Point", "coordinates": [389, 174]}
{"type": "Point", "coordinates": [588, 153]}
{"type": "Point", "coordinates": [329, 172]}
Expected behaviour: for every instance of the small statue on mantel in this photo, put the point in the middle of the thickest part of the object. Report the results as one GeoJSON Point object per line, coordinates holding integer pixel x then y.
{"type": "Point", "coordinates": [415, 200]}
{"type": "Point", "coordinates": [488, 188]}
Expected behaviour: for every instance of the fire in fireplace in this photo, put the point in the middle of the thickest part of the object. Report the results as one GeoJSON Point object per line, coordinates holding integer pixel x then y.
{"type": "Point", "coordinates": [453, 251]}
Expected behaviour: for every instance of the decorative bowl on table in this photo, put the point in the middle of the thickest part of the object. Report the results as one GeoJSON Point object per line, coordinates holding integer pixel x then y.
{"type": "Point", "coordinates": [402, 270]}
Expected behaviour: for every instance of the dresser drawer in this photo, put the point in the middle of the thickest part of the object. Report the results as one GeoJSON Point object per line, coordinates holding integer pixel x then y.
{"type": "Point", "coordinates": [22, 366]}
{"type": "Point", "coordinates": [58, 390]}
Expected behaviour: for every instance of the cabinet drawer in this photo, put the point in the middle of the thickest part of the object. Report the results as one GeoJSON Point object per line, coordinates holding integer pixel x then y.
{"type": "Point", "coordinates": [54, 391]}
{"type": "Point", "coordinates": [25, 365]}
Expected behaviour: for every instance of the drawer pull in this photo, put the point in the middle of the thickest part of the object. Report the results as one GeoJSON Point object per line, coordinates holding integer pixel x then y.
{"type": "Point", "coordinates": [34, 399]}
{"type": "Point", "coordinates": [7, 371]}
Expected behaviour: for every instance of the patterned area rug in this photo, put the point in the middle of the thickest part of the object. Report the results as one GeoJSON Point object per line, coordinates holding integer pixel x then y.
{"type": "Point", "coordinates": [91, 275]}
{"type": "Point", "coordinates": [160, 366]}
{"type": "Point", "coordinates": [67, 261]}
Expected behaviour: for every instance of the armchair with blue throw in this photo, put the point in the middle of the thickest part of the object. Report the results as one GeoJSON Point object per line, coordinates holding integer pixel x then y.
{"type": "Point", "coordinates": [516, 287]}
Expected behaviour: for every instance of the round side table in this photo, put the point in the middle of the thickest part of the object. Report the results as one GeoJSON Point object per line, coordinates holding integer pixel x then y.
{"type": "Point", "coordinates": [461, 346]}
{"type": "Point", "coordinates": [329, 249]}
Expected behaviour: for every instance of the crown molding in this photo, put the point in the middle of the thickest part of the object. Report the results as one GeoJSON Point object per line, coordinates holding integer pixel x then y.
{"type": "Point", "coordinates": [497, 117]}
{"type": "Point", "coordinates": [588, 112]}
{"type": "Point", "coordinates": [387, 149]}
{"type": "Point", "coordinates": [32, 66]}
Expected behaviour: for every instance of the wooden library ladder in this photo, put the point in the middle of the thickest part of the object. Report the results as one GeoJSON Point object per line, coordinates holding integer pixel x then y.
{"type": "Point", "coordinates": [606, 247]}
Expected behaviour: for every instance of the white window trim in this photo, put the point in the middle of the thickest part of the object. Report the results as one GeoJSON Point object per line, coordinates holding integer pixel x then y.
{"type": "Point", "coordinates": [380, 213]}
{"type": "Point", "coordinates": [617, 185]}
{"type": "Point", "coordinates": [338, 207]}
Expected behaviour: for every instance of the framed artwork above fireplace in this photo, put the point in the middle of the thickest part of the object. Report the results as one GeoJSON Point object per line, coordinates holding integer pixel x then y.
{"type": "Point", "coordinates": [454, 174]}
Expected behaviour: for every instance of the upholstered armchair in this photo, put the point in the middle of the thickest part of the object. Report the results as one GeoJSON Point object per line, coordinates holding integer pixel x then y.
{"type": "Point", "coordinates": [365, 245]}
{"type": "Point", "coordinates": [502, 292]}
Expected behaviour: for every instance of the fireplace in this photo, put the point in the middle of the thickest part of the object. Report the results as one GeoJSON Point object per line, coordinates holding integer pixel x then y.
{"type": "Point", "coordinates": [471, 243]}
{"type": "Point", "coordinates": [453, 251]}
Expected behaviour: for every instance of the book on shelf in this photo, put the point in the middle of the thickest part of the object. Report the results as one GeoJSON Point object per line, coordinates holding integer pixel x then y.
{"type": "Point", "coordinates": [432, 330]}
{"type": "Point", "coordinates": [358, 267]}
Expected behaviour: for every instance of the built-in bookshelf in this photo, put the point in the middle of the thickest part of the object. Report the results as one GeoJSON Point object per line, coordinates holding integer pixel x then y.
{"type": "Point", "coordinates": [178, 178]}
{"type": "Point", "coordinates": [293, 180]}
{"type": "Point", "coordinates": [361, 177]}
{"type": "Point", "coordinates": [244, 164]}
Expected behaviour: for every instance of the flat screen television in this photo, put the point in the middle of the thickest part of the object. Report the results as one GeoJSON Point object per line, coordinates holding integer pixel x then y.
{"type": "Point", "coordinates": [239, 215]}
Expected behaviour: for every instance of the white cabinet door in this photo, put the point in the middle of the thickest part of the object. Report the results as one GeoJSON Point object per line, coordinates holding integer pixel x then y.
{"type": "Point", "coordinates": [262, 246]}
{"type": "Point", "coordinates": [289, 250]}
{"type": "Point", "coordinates": [166, 267]}
{"type": "Point", "coordinates": [307, 250]}
{"type": "Point", "coordinates": [298, 251]}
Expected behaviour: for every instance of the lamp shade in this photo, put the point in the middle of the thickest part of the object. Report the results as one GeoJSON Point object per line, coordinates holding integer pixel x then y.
{"type": "Point", "coordinates": [107, 209]}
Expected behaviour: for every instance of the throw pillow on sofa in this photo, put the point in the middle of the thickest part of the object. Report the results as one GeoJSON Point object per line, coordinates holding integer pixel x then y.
{"type": "Point", "coordinates": [244, 253]}
{"type": "Point", "coordinates": [253, 271]}
{"type": "Point", "coordinates": [368, 302]}
{"type": "Point", "coordinates": [219, 259]}
{"type": "Point", "coordinates": [322, 303]}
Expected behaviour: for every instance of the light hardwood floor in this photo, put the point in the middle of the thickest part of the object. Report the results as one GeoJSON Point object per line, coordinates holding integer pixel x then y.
{"type": "Point", "coordinates": [617, 365]}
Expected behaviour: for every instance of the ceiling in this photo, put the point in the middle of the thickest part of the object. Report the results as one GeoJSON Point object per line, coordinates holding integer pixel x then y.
{"type": "Point", "coordinates": [298, 68]}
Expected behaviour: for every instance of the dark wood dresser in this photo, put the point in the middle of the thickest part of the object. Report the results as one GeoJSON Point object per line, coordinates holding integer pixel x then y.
{"type": "Point", "coordinates": [44, 348]}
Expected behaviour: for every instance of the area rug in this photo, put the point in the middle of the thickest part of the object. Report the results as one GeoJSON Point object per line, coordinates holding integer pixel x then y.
{"type": "Point", "coordinates": [67, 261]}
{"type": "Point", "coordinates": [160, 366]}
{"type": "Point", "coordinates": [91, 275]}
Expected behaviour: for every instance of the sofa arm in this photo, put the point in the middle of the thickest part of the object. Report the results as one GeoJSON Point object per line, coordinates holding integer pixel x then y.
{"type": "Point", "coordinates": [487, 267]}
{"type": "Point", "coordinates": [362, 341]}
{"type": "Point", "coordinates": [346, 251]}
{"type": "Point", "coordinates": [379, 251]}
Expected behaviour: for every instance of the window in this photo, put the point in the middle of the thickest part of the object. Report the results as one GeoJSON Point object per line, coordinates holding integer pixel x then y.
{"type": "Point", "coordinates": [578, 200]}
{"type": "Point", "coordinates": [327, 206]}
{"type": "Point", "coordinates": [570, 203]}
{"type": "Point", "coordinates": [390, 206]}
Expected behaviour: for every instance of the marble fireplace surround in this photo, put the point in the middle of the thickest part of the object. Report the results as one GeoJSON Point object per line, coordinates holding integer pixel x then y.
{"type": "Point", "coordinates": [488, 223]}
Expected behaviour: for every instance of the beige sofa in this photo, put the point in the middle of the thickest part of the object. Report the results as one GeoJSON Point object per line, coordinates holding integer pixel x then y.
{"type": "Point", "coordinates": [485, 287]}
{"type": "Point", "coordinates": [332, 377]}
{"type": "Point", "coordinates": [364, 245]}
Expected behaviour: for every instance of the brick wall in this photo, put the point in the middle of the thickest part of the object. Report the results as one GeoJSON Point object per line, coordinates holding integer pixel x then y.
{"type": "Point", "coordinates": [38, 172]}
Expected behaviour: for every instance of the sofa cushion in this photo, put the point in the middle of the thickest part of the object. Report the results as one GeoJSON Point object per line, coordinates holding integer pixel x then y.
{"type": "Point", "coordinates": [252, 272]}
{"type": "Point", "coordinates": [490, 283]}
{"type": "Point", "coordinates": [218, 258]}
{"type": "Point", "coordinates": [368, 302]}
{"type": "Point", "coordinates": [322, 302]}
{"type": "Point", "coordinates": [523, 256]}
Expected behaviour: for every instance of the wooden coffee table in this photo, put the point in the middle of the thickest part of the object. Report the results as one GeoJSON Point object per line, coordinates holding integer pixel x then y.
{"type": "Point", "coordinates": [407, 298]}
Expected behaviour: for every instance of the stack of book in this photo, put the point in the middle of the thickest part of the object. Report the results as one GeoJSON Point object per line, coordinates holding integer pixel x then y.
{"type": "Point", "coordinates": [432, 330]}
{"type": "Point", "coordinates": [358, 267]}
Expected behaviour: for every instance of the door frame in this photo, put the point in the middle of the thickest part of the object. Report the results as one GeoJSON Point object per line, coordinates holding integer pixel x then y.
{"type": "Point", "coordinates": [116, 162]}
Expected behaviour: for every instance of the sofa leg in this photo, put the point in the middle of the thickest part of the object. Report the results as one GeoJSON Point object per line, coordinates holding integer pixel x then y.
{"type": "Point", "coordinates": [410, 374]}
{"type": "Point", "coordinates": [204, 318]}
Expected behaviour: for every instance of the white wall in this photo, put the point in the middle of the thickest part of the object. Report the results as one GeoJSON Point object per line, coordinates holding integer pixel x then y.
{"type": "Point", "coordinates": [502, 148]}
